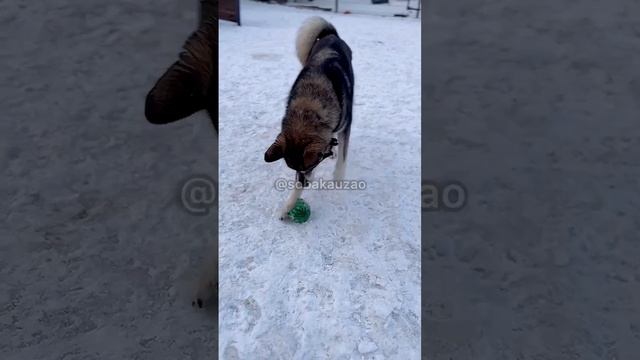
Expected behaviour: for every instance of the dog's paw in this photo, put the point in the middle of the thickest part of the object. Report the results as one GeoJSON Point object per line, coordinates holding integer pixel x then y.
{"type": "Point", "coordinates": [283, 215]}
{"type": "Point", "coordinates": [338, 175]}
{"type": "Point", "coordinates": [207, 292]}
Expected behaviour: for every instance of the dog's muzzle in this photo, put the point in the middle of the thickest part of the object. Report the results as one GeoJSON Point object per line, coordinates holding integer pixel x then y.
{"type": "Point", "coordinates": [301, 175]}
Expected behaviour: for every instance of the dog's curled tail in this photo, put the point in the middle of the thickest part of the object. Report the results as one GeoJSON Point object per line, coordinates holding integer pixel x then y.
{"type": "Point", "coordinates": [311, 30]}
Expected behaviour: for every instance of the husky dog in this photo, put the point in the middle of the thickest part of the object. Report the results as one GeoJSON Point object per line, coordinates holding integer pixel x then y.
{"type": "Point", "coordinates": [319, 108]}
{"type": "Point", "coordinates": [190, 85]}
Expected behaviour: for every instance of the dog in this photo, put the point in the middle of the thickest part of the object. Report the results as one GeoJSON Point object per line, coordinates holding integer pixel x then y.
{"type": "Point", "coordinates": [189, 85]}
{"type": "Point", "coordinates": [319, 108]}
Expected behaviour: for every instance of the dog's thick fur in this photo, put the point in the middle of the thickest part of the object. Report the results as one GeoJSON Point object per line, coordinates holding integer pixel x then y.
{"type": "Point", "coordinates": [189, 85]}
{"type": "Point", "coordinates": [319, 108]}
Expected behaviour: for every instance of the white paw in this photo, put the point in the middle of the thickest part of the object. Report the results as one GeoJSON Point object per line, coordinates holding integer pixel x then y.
{"type": "Point", "coordinates": [338, 174]}
{"type": "Point", "coordinates": [283, 214]}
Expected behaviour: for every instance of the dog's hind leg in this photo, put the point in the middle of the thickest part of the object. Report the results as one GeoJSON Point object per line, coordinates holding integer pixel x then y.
{"type": "Point", "coordinates": [341, 163]}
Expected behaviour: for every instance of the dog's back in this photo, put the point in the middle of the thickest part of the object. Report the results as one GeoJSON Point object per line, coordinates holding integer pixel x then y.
{"type": "Point", "coordinates": [320, 100]}
{"type": "Point", "coordinates": [326, 76]}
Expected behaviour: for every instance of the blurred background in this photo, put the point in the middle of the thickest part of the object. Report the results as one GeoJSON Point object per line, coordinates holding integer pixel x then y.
{"type": "Point", "coordinates": [398, 8]}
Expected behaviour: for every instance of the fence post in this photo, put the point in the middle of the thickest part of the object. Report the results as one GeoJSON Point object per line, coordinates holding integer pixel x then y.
{"type": "Point", "coordinates": [336, 6]}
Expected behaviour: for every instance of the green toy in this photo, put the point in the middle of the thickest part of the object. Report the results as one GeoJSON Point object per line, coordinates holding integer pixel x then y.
{"type": "Point", "coordinates": [300, 212]}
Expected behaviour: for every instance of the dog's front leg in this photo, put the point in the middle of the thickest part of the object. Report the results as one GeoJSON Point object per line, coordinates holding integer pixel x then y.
{"type": "Point", "coordinates": [290, 203]}
{"type": "Point", "coordinates": [293, 197]}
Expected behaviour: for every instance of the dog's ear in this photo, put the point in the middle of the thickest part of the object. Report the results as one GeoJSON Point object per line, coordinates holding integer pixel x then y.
{"type": "Point", "coordinates": [184, 88]}
{"type": "Point", "coordinates": [276, 150]}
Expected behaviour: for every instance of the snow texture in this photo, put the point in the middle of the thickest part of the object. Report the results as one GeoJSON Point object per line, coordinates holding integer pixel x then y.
{"type": "Point", "coordinates": [346, 284]}
{"type": "Point", "coordinates": [534, 106]}
{"type": "Point", "coordinates": [98, 259]}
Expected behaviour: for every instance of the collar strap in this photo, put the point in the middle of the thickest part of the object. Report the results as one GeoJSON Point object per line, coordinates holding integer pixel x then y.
{"type": "Point", "coordinates": [332, 143]}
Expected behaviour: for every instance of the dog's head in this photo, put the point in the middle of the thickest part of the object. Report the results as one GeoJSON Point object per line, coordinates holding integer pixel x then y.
{"type": "Point", "coordinates": [301, 153]}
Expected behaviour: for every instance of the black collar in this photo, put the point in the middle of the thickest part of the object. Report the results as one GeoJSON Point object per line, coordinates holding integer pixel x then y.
{"type": "Point", "coordinates": [300, 176]}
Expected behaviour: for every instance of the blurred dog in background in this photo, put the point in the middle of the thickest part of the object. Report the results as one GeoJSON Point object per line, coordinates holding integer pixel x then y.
{"type": "Point", "coordinates": [190, 85]}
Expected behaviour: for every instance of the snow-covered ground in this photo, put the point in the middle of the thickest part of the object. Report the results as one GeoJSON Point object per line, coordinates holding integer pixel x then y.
{"type": "Point", "coordinates": [346, 284]}
{"type": "Point", "coordinates": [98, 259]}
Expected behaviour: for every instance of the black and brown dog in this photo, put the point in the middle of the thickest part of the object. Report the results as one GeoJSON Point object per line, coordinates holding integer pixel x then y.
{"type": "Point", "coordinates": [319, 109]}
{"type": "Point", "coordinates": [190, 85]}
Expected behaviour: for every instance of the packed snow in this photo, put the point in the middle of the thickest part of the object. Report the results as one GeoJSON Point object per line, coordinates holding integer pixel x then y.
{"type": "Point", "coordinates": [346, 284]}
{"type": "Point", "coordinates": [98, 257]}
